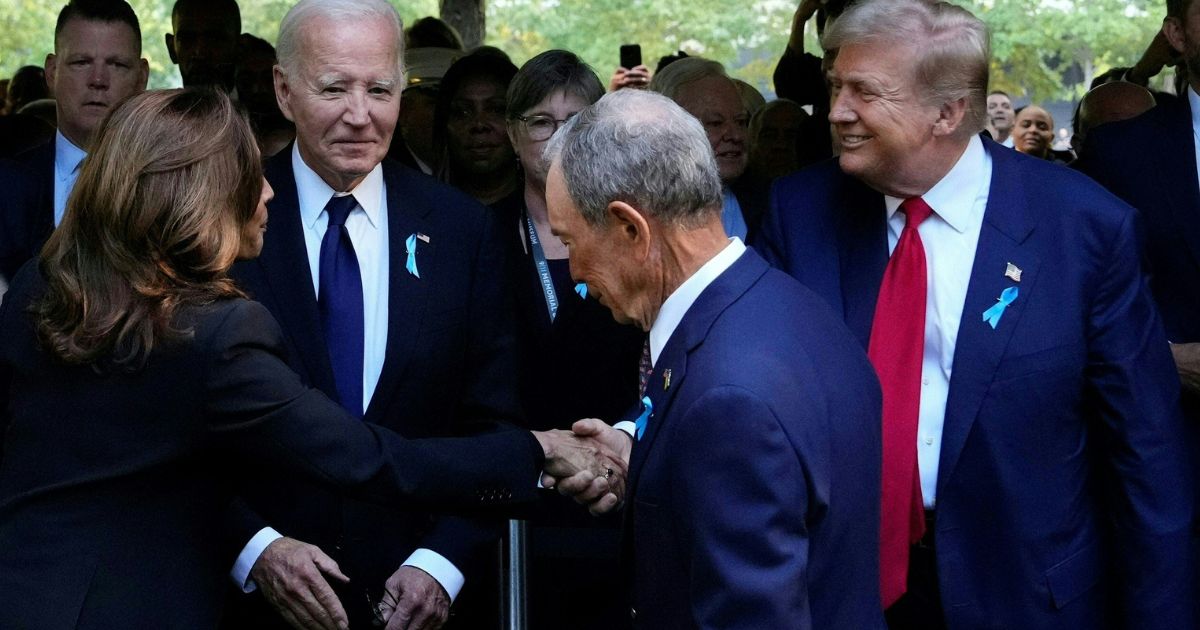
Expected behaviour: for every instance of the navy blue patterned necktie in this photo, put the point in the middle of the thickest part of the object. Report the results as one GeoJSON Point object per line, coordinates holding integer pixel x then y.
{"type": "Point", "coordinates": [340, 302]}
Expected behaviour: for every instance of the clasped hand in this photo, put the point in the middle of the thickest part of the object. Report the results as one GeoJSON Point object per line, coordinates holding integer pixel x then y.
{"type": "Point", "coordinates": [589, 463]}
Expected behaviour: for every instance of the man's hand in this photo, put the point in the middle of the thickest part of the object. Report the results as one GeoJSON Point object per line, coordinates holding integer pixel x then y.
{"type": "Point", "coordinates": [1157, 55]}
{"type": "Point", "coordinates": [1187, 362]}
{"type": "Point", "coordinates": [590, 465]}
{"type": "Point", "coordinates": [637, 77]}
{"type": "Point", "coordinates": [289, 573]}
{"type": "Point", "coordinates": [804, 12]}
{"type": "Point", "coordinates": [413, 600]}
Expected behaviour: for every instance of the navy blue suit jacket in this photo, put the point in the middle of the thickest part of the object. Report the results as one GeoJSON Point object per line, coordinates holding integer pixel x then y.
{"type": "Point", "coordinates": [26, 207]}
{"type": "Point", "coordinates": [754, 492]}
{"type": "Point", "coordinates": [1063, 499]}
{"type": "Point", "coordinates": [1150, 162]}
{"type": "Point", "coordinates": [450, 366]}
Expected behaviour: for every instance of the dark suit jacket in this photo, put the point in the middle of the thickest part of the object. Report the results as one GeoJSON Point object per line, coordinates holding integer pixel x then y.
{"type": "Point", "coordinates": [113, 486]}
{"type": "Point", "coordinates": [1062, 488]}
{"type": "Point", "coordinates": [449, 363]}
{"type": "Point", "coordinates": [26, 207]}
{"type": "Point", "coordinates": [754, 492]}
{"type": "Point", "coordinates": [1150, 162]}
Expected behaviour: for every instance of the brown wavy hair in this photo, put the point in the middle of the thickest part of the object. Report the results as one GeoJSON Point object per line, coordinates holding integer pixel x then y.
{"type": "Point", "coordinates": [152, 225]}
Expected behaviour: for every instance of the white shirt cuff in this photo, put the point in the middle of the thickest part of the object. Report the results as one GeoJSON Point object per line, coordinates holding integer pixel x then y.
{"type": "Point", "coordinates": [441, 569]}
{"type": "Point", "coordinates": [628, 427]}
{"type": "Point", "coordinates": [250, 553]}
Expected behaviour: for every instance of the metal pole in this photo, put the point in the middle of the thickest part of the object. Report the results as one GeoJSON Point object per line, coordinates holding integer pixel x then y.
{"type": "Point", "coordinates": [515, 579]}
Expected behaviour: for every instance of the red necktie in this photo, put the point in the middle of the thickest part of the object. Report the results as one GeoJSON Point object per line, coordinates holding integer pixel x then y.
{"type": "Point", "coordinates": [896, 346]}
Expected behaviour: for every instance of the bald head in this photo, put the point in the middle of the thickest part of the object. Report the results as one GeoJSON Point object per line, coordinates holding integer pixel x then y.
{"type": "Point", "coordinates": [1117, 100]}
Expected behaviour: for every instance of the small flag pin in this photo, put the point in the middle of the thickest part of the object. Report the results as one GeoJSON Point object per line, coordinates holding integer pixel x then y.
{"type": "Point", "coordinates": [666, 379]}
{"type": "Point", "coordinates": [425, 239]}
{"type": "Point", "coordinates": [1013, 272]}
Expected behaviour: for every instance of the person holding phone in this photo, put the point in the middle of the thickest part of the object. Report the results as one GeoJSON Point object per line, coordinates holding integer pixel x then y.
{"type": "Point", "coordinates": [632, 73]}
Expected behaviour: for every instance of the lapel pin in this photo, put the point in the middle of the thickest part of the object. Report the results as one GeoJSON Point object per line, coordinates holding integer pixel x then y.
{"type": "Point", "coordinates": [410, 245]}
{"type": "Point", "coordinates": [425, 239]}
{"type": "Point", "coordinates": [666, 379]}
{"type": "Point", "coordinates": [1012, 272]}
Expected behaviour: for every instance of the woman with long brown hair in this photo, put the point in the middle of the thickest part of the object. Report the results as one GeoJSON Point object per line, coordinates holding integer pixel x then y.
{"type": "Point", "coordinates": [137, 384]}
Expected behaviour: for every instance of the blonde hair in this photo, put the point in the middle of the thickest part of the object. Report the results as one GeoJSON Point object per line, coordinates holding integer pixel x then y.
{"type": "Point", "coordinates": [953, 48]}
{"type": "Point", "coordinates": [153, 224]}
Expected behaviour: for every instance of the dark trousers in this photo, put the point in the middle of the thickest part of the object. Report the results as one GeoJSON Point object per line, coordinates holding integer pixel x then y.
{"type": "Point", "coordinates": [921, 606]}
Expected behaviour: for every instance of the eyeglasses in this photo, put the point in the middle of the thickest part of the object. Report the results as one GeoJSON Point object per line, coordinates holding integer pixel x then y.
{"type": "Point", "coordinates": [387, 604]}
{"type": "Point", "coordinates": [542, 127]}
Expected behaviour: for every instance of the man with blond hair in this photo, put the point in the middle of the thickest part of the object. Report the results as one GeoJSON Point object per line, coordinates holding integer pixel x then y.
{"type": "Point", "coordinates": [1033, 471]}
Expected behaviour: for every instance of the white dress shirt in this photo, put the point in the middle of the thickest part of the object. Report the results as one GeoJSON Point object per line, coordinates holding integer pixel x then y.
{"type": "Point", "coordinates": [949, 237]}
{"type": "Point", "coordinates": [1194, 103]}
{"type": "Point", "coordinates": [368, 228]}
{"type": "Point", "coordinates": [67, 158]}
{"type": "Point", "coordinates": [681, 300]}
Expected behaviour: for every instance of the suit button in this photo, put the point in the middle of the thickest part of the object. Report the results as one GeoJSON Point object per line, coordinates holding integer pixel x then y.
{"type": "Point", "coordinates": [633, 613]}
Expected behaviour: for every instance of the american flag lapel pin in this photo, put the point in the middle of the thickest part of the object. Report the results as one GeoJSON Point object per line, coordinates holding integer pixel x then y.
{"type": "Point", "coordinates": [666, 379]}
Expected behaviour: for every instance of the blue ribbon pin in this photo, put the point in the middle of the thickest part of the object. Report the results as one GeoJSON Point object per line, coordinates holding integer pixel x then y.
{"type": "Point", "coordinates": [640, 424]}
{"type": "Point", "coordinates": [992, 315]}
{"type": "Point", "coordinates": [581, 289]}
{"type": "Point", "coordinates": [411, 246]}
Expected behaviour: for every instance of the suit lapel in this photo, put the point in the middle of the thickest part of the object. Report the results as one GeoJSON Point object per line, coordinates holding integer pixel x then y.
{"type": "Point", "coordinates": [284, 260]}
{"type": "Point", "coordinates": [407, 210]}
{"type": "Point", "coordinates": [690, 333]}
{"type": "Point", "coordinates": [1177, 172]}
{"type": "Point", "coordinates": [863, 251]}
{"type": "Point", "coordinates": [1003, 239]}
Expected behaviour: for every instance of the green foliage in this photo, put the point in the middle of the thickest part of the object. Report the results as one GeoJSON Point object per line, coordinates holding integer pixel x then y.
{"type": "Point", "coordinates": [747, 37]}
{"type": "Point", "coordinates": [1034, 42]}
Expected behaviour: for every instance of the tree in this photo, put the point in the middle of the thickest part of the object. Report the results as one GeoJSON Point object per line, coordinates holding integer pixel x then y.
{"type": "Point", "coordinates": [1044, 49]}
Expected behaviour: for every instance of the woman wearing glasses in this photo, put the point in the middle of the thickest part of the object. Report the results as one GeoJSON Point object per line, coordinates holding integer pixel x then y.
{"type": "Point", "coordinates": [138, 385]}
{"type": "Point", "coordinates": [576, 361]}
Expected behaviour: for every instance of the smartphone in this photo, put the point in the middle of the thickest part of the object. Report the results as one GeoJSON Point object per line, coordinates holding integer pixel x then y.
{"type": "Point", "coordinates": [631, 56]}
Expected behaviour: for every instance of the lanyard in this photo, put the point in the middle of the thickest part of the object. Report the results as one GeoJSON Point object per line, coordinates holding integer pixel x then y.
{"type": "Point", "coordinates": [543, 269]}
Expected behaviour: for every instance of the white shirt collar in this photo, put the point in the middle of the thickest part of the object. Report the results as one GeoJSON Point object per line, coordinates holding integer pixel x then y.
{"type": "Point", "coordinates": [313, 193]}
{"type": "Point", "coordinates": [953, 197]}
{"type": "Point", "coordinates": [67, 156]}
{"type": "Point", "coordinates": [681, 300]}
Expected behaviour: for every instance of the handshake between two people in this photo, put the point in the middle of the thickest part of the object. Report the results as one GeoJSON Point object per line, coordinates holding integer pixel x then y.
{"type": "Point", "coordinates": [589, 463]}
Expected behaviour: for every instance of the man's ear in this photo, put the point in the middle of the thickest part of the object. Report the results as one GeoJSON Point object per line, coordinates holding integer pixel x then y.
{"type": "Point", "coordinates": [283, 92]}
{"type": "Point", "coordinates": [1172, 28]}
{"type": "Point", "coordinates": [51, 70]}
{"type": "Point", "coordinates": [143, 74]}
{"type": "Point", "coordinates": [950, 117]}
{"type": "Point", "coordinates": [171, 48]}
{"type": "Point", "coordinates": [630, 227]}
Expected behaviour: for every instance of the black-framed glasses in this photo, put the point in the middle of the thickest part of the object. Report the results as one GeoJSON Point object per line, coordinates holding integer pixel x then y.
{"type": "Point", "coordinates": [387, 604]}
{"type": "Point", "coordinates": [540, 128]}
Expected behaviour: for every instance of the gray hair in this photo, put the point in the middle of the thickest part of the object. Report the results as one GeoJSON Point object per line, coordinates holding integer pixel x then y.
{"type": "Point", "coordinates": [677, 74]}
{"type": "Point", "coordinates": [288, 46]}
{"type": "Point", "coordinates": [952, 47]}
{"type": "Point", "coordinates": [640, 148]}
